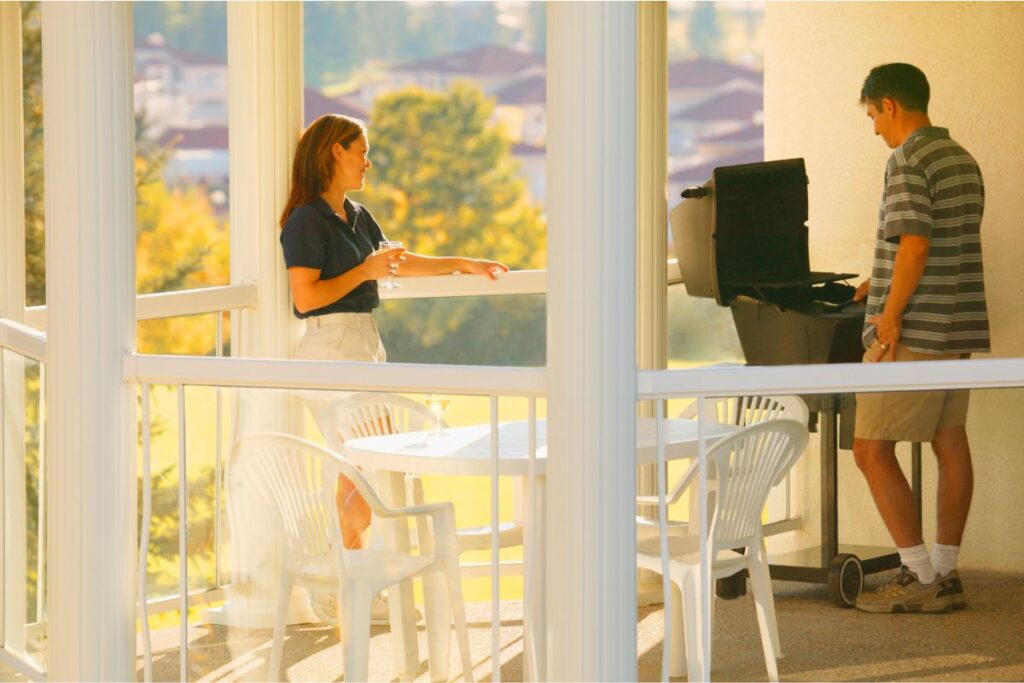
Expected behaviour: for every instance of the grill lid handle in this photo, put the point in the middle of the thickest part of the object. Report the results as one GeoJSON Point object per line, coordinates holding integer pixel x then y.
{"type": "Point", "coordinates": [695, 192]}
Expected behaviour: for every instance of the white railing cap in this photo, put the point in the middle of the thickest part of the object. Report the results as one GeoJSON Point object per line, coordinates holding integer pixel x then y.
{"type": "Point", "coordinates": [310, 374]}
{"type": "Point", "coordinates": [837, 378]}
{"type": "Point", "coordinates": [23, 340]}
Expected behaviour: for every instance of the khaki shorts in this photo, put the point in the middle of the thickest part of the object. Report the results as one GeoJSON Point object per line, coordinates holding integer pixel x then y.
{"type": "Point", "coordinates": [909, 415]}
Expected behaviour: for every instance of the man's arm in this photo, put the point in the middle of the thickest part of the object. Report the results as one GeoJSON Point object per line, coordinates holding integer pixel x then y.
{"type": "Point", "coordinates": [911, 258]}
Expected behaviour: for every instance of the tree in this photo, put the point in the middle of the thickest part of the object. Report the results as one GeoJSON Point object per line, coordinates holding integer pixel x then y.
{"type": "Point", "coordinates": [446, 179]}
{"type": "Point", "coordinates": [445, 182]}
{"type": "Point", "coordinates": [705, 31]}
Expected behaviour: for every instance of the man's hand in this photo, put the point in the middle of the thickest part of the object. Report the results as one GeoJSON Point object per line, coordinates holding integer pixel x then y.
{"type": "Point", "coordinates": [861, 293]}
{"type": "Point", "coordinates": [887, 331]}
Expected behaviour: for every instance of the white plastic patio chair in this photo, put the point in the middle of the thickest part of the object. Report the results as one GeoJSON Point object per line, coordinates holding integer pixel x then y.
{"type": "Point", "coordinates": [747, 465]}
{"type": "Point", "coordinates": [364, 414]}
{"type": "Point", "coordinates": [740, 411]}
{"type": "Point", "coordinates": [299, 478]}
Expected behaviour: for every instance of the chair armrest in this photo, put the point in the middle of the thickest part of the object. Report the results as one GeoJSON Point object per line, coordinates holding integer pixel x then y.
{"type": "Point", "coordinates": [426, 509]}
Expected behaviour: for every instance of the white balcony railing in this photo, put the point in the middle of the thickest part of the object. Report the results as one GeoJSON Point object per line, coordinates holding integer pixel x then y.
{"type": "Point", "coordinates": [493, 382]}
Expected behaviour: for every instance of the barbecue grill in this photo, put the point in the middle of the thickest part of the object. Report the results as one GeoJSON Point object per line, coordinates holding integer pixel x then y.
{"type": "Point", "coordinates": [741, 239]}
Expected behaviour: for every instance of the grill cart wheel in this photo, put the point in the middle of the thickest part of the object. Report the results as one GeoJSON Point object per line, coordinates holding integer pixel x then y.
{"type": "Point", "coordinates": [732, 587]}
{"type": "Point", "coordinates": [845, 579]}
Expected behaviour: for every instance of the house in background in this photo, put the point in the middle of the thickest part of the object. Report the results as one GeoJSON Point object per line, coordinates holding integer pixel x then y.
{"type": "Point", "coordinates": [693, 80]}
{"type": "Point", "coordinates": [533, 167]}
{"type": "Point", "coordinates": [179, 89]}
{"type": "Point", "coordinates": [522, 107]}
{"type": "Point", "coordinates": [184, 97]}
{"type": "Point", "coordinates": [720, 114]}
{"type": "Point", "coordinates": [491, 67]}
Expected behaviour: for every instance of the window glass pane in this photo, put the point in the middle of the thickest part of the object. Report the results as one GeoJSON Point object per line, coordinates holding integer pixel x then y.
{"type": "Point", "coordinates": [715, 118]}
{"type": "Point", "coordinates": [32, 94]}
{"type": "Point", "coordinates": [454, 97]}
{"type": "Point", "coordinates": [181, 137]}
{"type": "Point", "coordinates": [504, 331]}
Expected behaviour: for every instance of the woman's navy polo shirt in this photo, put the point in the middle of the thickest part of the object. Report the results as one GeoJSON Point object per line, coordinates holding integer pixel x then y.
{"type": "Point", "coordinates": [316, 237]}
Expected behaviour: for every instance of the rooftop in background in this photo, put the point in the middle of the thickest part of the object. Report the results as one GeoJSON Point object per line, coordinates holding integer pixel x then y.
{"type": "Point", "coordinates": [747, 134]}
{"type": "Point", "coordinates": [733, 105]}
{"type": "Point", "coordinates": [530, 90]}
{"type": "Point", "coordinates": [210, 137]}
{"type": "Point", "coordinates": [702, 170]}
{"type": "Point", "coordinates": [706, 73]}
{"type": "Point", "coordinates": [524, 148]}
{"type": "Point", "coordinates": [317, 104]}
{"type": "Point", "coordinates": [482, 60]}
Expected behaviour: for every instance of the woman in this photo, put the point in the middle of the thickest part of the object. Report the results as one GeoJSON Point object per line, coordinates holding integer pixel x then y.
{"type": "Point", "coordinates": [330, 249]}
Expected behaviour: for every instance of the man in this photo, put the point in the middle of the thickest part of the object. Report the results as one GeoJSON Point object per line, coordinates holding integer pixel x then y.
{"type": "Point", "coordinates": [925, 301]}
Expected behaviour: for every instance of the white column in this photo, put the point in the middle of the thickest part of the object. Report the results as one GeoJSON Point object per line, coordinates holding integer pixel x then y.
{"type": "Point", "coordinates": [12, 167]}
{"type": "Point", "coordinates": [12, 307]}
{"type": "Point", "coordinates": [591, 564]}
{"type": "Point", "coordinates": [90, 267]}
{"type": "Point", "coordinates": [652, 223]}
{"type": "Point", "coordinates": [265, 121]}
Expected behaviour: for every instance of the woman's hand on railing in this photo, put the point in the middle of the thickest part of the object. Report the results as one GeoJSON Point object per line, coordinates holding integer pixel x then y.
{"type": "Point", "coordinates": [489, 269]}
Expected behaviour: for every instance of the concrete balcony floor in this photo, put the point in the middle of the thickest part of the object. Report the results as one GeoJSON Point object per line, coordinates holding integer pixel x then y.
{"type": "Point", "coordinates": [821, 642]}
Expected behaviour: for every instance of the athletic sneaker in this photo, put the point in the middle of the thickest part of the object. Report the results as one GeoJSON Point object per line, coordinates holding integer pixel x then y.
{"type": "Point", "coordinates": [954, 589]}
{"type": "Point", "coordinates": [325, 606]}
{"type": "Point", "coordinates": [905, 593]}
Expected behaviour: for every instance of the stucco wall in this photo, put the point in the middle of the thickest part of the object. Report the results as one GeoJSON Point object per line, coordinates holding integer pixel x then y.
{"type": "Point", "coordinates": [816, 58]}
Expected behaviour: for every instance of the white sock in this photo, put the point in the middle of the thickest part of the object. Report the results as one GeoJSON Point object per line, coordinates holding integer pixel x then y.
{"type": "Point", "coordinates": [917, 560]}
{"type": "Point", "coordinates": [944, 558]}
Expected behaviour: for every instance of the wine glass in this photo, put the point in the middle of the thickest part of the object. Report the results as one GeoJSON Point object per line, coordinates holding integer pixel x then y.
{"type": "Point", "coordinates": [437, 406]}
{"type": "Point", "coordinates": [392, 263]}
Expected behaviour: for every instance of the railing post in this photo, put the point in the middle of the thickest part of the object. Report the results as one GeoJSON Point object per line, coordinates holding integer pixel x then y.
{"type": "Point", "coordinates": [12, 306]}
{"type": "Point", "coordinates": [591, 564]}
{"type": "Point", "coordinates": [90, 266]}
{"type": "Point", "coordinates": [651, 234]}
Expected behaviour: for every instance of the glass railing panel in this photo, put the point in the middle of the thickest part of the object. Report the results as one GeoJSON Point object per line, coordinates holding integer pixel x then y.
{"type": "Point", "coordinates": [24, 508]}
{"type": "Point", "coordinates": [500, 331]}
{"type": "Point", "coordinates": [228, 628]}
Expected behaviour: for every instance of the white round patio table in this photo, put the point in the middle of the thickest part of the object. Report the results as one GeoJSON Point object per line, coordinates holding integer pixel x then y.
{"type": "Point", "coordinates": [466, 451]}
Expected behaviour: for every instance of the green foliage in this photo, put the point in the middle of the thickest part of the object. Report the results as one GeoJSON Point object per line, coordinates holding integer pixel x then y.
{"type": "Point", "coordinates": [162, 561]}
{"type": "Point", "coordinates": [32, 83]}
{"type": "Point", "coordinates": [445, 182]}
{"type": "Point", "coordinates": [700, 329]}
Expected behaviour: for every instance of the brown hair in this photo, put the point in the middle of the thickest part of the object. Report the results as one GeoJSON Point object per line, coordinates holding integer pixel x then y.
{"type": "Point", "coordinates": [313, 168]}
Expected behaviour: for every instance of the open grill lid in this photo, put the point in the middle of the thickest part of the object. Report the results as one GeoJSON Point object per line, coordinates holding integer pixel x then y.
{"type": "Point", "coordinates": [745, 232]}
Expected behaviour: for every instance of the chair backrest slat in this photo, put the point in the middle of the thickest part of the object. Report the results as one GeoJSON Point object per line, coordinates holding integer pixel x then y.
{"type": "Point", "coordinates": [299, 479]}
{"type": "Point", "coordinates": [363, 414]}
{"type": "Point", "coordinates": [746, 466]}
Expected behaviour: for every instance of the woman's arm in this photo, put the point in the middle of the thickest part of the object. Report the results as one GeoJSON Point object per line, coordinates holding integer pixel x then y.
{"type": "Point", "coordinates": [309, 292]}
{"type": "Point", "coordinates": [416, 265]}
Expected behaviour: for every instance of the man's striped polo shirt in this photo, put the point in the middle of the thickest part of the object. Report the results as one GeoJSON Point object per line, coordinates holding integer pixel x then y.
{"type": "Point", "coordinates": [934, 188]}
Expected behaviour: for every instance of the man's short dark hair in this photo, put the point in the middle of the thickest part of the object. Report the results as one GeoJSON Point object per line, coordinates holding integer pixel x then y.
{"type": "Point", "coordinates": [903, 83]}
